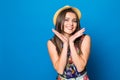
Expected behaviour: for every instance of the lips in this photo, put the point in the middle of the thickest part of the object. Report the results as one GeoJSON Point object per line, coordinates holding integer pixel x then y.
{"type": "Point", "coordinates": [69, 27]}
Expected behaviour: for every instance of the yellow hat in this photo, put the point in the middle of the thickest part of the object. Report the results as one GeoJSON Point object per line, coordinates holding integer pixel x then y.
{"type": "Point", "coordinates": [63, 8]}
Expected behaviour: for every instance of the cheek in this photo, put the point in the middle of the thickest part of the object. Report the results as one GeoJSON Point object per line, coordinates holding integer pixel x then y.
{"type": "Point", "coordinates": [65, 23]}
{"type": "Point", "coordinates": [75, 26]}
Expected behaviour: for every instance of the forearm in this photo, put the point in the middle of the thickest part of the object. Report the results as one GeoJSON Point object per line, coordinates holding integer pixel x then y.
{"type": "Point", "coordinates": [61, 63]}
{"type": "Point", "coordinates": [78, 61]}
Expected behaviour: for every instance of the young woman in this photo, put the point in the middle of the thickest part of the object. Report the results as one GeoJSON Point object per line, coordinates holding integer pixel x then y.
{"type": "Point", "coordinates": [69, 49]}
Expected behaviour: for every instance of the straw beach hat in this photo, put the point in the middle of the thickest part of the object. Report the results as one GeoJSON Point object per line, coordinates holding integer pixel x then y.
{"type": "Point", "coordinates": [64, 8]}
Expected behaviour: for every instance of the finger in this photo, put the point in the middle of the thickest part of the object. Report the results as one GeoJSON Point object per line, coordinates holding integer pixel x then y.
{"type": "Point", "coordinates": [59, 35]}
{"type": "Point", "coordinates": [82, 30]}
{"type": "Point", "coordinates": [53, 30]}
{"type": "Point", "coordinates": [56, 32]}
{"type": "Point", "coordinates": [78, 33]}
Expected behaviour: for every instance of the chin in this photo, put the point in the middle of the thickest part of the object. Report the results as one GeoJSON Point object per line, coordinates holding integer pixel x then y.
{"type": "Point", "coordinates": [69, 33]}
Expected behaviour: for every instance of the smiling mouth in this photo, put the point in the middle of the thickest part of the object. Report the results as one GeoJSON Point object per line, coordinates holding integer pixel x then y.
{"type": "Point", "coordinates": [69, 27]}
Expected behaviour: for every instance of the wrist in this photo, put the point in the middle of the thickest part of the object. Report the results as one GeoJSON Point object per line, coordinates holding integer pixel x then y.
{"type": "Point", "coordinates": [65, 44]}
{"type": "Point", "coordinates": [71, 43]}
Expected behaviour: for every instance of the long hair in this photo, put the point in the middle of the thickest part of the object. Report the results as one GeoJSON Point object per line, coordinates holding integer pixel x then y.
{"type": "Point", "coordinates": [60, 23]}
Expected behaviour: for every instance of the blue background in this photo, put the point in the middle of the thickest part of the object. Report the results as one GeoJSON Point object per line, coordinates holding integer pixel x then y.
{"type": "Point", "coordinates": [25, 28]}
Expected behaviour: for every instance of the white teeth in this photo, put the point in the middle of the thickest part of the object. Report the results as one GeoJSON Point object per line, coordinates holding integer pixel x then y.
{"type": "Point", "coordinates": [69, 27]}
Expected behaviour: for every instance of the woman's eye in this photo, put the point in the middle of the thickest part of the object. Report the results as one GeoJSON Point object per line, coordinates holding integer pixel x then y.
{"type": "Point", "coordinates": [74, 20]}
{"type": "Point", "coordinates": [66, 19]}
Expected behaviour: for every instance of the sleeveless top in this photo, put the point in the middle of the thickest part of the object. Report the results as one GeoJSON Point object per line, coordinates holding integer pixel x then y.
{"type": "Point", "coordinates": [70, 70]}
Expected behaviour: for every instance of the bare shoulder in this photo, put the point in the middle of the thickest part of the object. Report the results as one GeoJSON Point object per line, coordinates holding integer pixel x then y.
{"type": "Point", "coordinates": [50, 44]}
{"type": "Point", "coordinates": [52, 51]}
{"type": "Point", "coordinates": [86, 38]}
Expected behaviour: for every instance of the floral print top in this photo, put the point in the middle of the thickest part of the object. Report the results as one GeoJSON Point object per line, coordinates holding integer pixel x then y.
{"type": "Point", "coordinates": [70, 69]}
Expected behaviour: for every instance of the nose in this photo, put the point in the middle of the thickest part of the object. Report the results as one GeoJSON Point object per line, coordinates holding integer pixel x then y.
{"type": "Point", "coordinates": [70, 22]}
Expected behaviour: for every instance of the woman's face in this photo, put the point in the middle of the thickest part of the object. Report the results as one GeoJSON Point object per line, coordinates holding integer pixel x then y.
{"type": "Point", "coordinates": [70, 23]}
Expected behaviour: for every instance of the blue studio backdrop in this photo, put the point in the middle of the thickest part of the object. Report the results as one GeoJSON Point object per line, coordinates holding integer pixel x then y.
{"type": "Point", "coordinates": [25, 28]}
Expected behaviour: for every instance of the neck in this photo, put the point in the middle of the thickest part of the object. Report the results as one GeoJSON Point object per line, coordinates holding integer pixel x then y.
{"type": "Point", "coordinates": [66, 35]}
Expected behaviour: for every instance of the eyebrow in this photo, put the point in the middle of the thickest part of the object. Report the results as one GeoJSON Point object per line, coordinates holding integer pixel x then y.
{"type": "Point", "coordinates": [68, 18]}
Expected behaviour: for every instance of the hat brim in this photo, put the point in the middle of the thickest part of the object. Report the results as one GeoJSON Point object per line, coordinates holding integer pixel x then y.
{"type": "Point", "coordinates": [77, 11]}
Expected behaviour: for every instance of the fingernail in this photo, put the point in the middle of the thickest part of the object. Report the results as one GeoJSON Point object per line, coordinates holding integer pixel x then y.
{"type": "Point", "coordinates": [52, 29]}
{"type": "Point", "coordinates": [84, 28]}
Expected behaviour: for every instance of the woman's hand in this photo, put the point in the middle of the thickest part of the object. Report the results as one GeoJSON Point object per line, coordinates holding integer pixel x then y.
{"type": "Point", "coordinates": [76, 35]}
{"type": "Point", "coordinates": [60, 36]}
